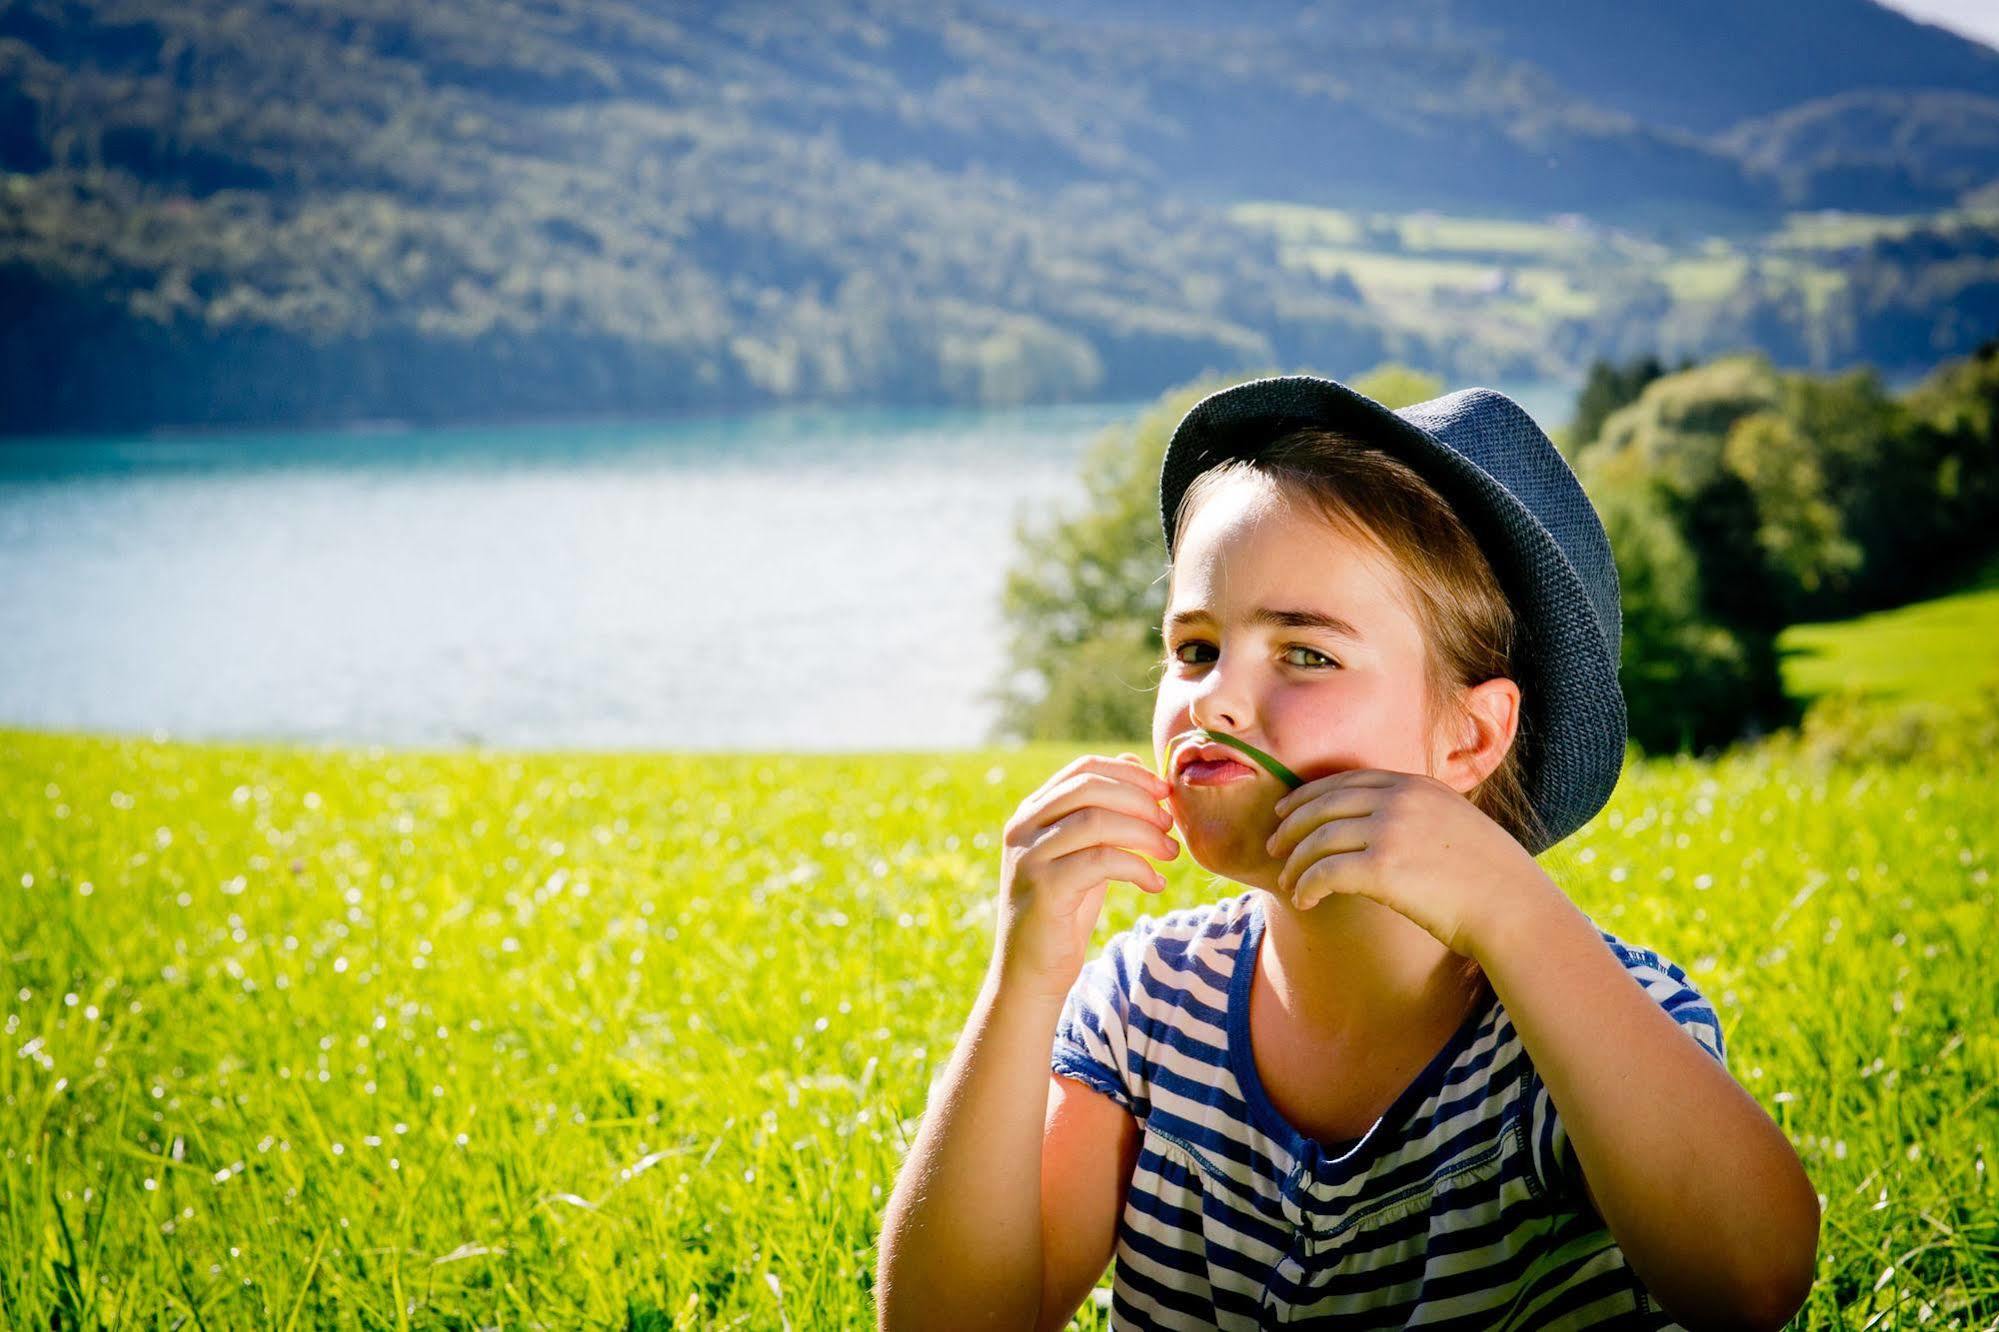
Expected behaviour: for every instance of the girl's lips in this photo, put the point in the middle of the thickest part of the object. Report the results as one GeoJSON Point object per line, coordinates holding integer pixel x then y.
{"type": "Point", "coordinates": [1214, 746]}
{"type": "Point", "coordinates": [1215, 772]}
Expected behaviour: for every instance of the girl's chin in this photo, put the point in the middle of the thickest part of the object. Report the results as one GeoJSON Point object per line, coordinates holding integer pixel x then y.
{"type": "Point", "coordinates": [1229, 847]}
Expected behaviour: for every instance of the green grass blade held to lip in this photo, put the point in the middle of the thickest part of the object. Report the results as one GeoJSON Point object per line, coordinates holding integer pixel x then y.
{"type": "Point", "coordinates": [1276, 769]}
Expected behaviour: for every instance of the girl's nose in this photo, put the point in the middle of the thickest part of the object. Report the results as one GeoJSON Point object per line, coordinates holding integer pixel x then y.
{"type": "Point", "coordinates": [1219, 705]}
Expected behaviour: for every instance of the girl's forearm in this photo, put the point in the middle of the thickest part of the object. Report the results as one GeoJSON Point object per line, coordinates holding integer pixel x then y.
{"type": "Point", "coordinates": [961, 1236]}
{"type": "Point", "coordinates": [1698, 1186]}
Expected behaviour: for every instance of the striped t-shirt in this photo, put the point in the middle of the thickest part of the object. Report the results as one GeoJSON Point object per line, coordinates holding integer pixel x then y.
{"type": "Point", "coordinates": [1462, 1207]}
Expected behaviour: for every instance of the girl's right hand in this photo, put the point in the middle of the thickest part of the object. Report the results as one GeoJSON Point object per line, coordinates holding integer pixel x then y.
{"type": "Point", "coordinates": [1063, 846]}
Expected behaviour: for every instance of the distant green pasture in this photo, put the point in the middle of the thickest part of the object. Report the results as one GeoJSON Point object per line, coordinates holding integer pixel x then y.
{"type": "Point", "coordinates": [1459, 235]}
{"type": "Point", "coordinates": [1944, 649]}
{"type": "Point", "coordinates": [1513, 278]}
{"type": "Point", "coordinates": [1300, 223]}
{"type": "Point", "coordinates": [1706, 278]}
{"type": "Point", "coordinates": [1833, 230]}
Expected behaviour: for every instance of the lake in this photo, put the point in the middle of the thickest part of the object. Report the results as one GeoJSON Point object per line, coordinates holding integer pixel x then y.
{"type": "Point", "coordinates": [796, 580]}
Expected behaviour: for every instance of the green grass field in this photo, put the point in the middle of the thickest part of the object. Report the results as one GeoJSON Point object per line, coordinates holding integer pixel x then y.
{"type": "Point", "coordinates": [304, 1038]}
{"type": "Point", "coordinates": [1942, 650]}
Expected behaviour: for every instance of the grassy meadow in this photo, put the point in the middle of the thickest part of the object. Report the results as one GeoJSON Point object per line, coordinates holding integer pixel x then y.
{"type": "Point", "coordinates": [1943, 651]}
{"type": "Point", "coordinates": [372, 1038]}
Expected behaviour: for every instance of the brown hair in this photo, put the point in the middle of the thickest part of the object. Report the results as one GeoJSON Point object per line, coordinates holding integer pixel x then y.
{"type": "Point", "coordinates": [1470, 633]}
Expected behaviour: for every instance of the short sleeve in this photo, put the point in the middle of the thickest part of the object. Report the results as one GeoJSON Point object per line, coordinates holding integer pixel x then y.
{"type": "Point", "coordinates": [1091, 1036]}
{"type": "Point", "coordinates": [1554, 1157]}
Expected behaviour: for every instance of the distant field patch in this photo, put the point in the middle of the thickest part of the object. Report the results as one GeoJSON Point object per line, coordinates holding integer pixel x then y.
{"type": "Point", "coordinates": [1553, 292]}
{"type": "Point", "coordinates": [1395, 275]}
{"type": "Point", "coordinates": [1834, 230]}
{"type": "Point", "coordinates": [1943, 649]}
{"type": "Point", "coordinates": [1706, 278]}
{"type": "Point", "coordinates": [1299, 224]}
{"type": "Point", "coordinates": [1483, 235]}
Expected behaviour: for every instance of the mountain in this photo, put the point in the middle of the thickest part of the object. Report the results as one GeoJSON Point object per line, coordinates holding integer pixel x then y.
{"type": "Point", "coordinates": [314, 210]}
{"type": "Point", "coordinates": [1705, 65]}
{"type": "Point", "coordinates": [1874, 151]}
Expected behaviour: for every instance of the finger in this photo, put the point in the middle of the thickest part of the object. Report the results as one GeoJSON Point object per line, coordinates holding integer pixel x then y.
{"type": "Point", "coordinates": [1295, 826]}
{"type": "Point", "coordinates": [1127, 768]}
{"type": "Point", "coordinates": [1324, 842]}
{"type": "Point", "coordinates": [1070, 790]}
{"type": "Point", "coordinates": [1098, 825]}
{"type": "Point", "coordinates": [1093, 865]}
{"type": "Point", "coordinates": [1322, 878]}
{"type": "Point", "coordinates": [1115, 790]}
{"type": "Point", "coordinates": [1145, 772]}
{"type": "Point", "coordinates": [1318, 786]}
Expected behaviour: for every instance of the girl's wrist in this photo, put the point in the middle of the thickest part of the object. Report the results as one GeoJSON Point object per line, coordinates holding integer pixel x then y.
{"type": "Point", "coordinates": [1023, 990]}
{"type": "Point", "coordinates": [1518, 911]}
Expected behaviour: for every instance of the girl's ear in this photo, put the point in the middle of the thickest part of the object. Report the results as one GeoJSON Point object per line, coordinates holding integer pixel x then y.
{"type": "Point", "coordinates": [1489, 716]}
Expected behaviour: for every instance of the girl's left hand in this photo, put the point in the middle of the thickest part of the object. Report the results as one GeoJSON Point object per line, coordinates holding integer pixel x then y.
{"type": "Point", "coordinates": [1406, 840]}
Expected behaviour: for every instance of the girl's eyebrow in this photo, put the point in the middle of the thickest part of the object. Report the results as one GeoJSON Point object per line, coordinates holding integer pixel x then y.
{"type": "Point", "coordinates": [1276, 619]}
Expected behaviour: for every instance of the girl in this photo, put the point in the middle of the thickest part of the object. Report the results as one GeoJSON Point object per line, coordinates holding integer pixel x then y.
{"type": "Point", "coordinates": [1400, 1080]}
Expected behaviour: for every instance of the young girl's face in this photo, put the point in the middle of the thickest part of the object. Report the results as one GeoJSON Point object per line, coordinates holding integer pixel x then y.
{"type": "Point", "coordinates": [1318, 699]}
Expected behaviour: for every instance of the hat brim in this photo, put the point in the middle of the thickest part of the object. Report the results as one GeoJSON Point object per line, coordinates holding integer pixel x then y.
{"type": "Point", "coordinates": [1573, 720]}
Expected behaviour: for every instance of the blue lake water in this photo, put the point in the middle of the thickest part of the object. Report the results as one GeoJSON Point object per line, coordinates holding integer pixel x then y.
{"type": "Point", "coordinates": [816, 580]}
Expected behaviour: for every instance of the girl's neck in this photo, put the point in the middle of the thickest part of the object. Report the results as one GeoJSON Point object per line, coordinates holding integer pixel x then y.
{"type": "Point", "coordinates": [1351, 973]}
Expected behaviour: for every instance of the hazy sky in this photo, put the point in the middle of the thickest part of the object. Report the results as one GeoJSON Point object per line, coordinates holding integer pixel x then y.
{"type": "Point", "coordinates": [1973, 18]}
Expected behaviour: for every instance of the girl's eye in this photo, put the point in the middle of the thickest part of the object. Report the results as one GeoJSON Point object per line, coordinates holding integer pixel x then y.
{"type": "Point", "coordinates": [1320, 662]}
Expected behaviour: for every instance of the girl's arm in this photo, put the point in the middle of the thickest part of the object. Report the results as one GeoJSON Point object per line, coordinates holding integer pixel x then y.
{"type": "Point", "coordinates": [961, 1237]}
{"type": "Point", "coordinates": [1699, 1187]}
{"type": "Point", "coordinates": [961, 1243]}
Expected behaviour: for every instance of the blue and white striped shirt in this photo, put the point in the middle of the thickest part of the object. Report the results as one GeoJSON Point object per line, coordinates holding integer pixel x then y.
{"type": "Point", "coordinates": [1462, 1207]}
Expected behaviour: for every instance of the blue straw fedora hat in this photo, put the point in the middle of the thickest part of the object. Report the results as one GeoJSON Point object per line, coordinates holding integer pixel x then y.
{"type": "Point", "coordinates": [1523, 504]}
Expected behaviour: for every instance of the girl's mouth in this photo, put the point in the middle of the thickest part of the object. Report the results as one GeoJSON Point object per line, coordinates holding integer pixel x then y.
{"type": "Point", "coordinates": [1217, 766]}
{"type": "Point", "coordinates": [1215, 772]}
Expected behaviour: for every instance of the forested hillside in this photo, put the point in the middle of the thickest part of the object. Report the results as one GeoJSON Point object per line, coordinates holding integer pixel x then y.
{"type": "Point", "coordinates": [323, 210]}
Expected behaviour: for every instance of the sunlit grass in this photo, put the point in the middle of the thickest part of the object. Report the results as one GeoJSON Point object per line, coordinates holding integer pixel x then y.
{"type": "Point", "coordinates": [317, 1038]}
{"type": "Point", "coordinates": [1943, 649]}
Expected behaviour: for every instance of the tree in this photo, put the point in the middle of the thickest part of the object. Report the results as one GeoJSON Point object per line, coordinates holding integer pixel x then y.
{"type": "Point", "coordinates": [1084, 604]}
{"type": "Point", "coordinates": [1608, 387]}
{"type": "Point", "coordinates": [1800, 531]}
{"type": "Point", "coordinates": [1688, 682]}
{"type": "Point", "coordinates": [1676, 433]}
{"type": "Point", "coordinates": [1395, 385]}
